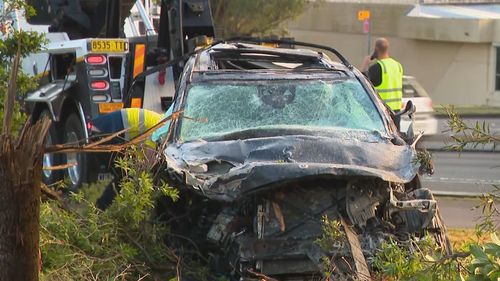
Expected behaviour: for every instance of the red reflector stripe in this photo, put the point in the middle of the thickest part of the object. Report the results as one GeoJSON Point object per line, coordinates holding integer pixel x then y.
{"type": "Point", "coordinates": [96, 59]}
{"type": "Point", "coordinates": [99, 85]}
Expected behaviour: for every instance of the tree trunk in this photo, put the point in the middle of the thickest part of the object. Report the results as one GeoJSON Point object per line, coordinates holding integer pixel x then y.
{"type": "Point", "coordinates": [20, 179]}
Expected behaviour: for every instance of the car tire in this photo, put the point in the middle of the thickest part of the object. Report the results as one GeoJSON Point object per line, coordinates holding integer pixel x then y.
{"type": "Point", "coordinates": [74, 133]}
{"type": "Point", "coordinates": [50, 177]}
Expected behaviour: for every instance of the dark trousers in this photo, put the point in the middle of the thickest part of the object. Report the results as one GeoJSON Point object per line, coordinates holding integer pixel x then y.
{"type": "Point", "coordinates": [109, 193]}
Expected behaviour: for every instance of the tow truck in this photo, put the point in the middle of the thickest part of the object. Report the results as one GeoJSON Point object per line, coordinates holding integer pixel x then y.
{"type": "Point", "coordinates": [90, 68]}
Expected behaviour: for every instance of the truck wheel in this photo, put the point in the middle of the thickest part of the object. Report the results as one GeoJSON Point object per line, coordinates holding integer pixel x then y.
{"type": "Point", "coordinates": [73, 133]}
{"type": "Point", "coordinates": [51, 159]}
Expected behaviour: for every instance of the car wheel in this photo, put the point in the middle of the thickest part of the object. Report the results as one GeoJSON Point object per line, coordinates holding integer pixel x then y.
{"type": "Point", "coordinates": [74, 134]}
{"type": "Point", "coordinates": [51, 159]}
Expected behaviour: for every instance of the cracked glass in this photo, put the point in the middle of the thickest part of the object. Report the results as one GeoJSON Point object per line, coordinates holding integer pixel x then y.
{"type": "Point", "coordinates": [218, 108]}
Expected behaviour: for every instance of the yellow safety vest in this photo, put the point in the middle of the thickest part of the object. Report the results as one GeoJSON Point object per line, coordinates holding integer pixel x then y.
{"type": "Point", "coordinates": [391, 88]}
{"type": "Point", "coordinates": [139, 121]}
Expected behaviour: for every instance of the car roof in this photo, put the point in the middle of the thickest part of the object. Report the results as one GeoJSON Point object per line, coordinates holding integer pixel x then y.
{"type": "Point", "coordinates": [240, 56]}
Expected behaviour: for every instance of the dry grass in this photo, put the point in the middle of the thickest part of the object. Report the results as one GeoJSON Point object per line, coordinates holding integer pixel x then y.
{"type": "Point", "coordinates": [460, 236]}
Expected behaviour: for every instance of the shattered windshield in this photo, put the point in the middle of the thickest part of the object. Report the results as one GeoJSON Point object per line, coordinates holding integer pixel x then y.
{"type": "Point", "coordinates": [225, 107]}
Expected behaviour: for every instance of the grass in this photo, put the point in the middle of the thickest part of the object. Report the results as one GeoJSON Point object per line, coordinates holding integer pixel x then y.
{"type": "Point", "coordinates": [460, 236]}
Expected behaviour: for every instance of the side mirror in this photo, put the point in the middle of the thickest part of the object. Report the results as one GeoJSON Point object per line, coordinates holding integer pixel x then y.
{"type": "Point", "coordinates": [409, 109]}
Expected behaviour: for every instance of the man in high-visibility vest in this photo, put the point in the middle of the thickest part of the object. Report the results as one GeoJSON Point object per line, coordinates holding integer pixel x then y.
{"type": "Point", "coordinates": [386, 74]}
{"type": "Point", "coordinates": [137, 121]}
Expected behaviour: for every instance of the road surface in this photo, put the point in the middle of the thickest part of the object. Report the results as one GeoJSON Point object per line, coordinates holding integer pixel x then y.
{"type": "Point", "coordinates": [468, 173]}
{"type": "Point", "coordinates": [459, 212]}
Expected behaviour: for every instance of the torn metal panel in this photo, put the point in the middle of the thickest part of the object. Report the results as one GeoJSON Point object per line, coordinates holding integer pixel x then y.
{"type": "Point", "coordinates": [363, 201]}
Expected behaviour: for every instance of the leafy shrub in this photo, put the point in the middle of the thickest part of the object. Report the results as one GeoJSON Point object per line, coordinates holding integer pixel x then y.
{"type": "Point", "coordinates": [419, 259]}
{"type": "Point", "coordinates": [123, 242]}
{"type": "Point", "coordinates": [10, 40]}
{"type": "Point", "coordinates": [486, 260]}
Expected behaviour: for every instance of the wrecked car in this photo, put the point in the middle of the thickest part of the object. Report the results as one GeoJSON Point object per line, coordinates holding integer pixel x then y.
{"type": "Point", "coordinates": [268, 142]}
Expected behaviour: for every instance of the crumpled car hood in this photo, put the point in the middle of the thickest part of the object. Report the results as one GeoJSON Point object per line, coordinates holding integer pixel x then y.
{"type": "Point", "coordinates": [251, 164]}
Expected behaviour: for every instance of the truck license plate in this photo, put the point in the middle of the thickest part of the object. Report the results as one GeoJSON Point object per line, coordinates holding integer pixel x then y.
{"type": "Point", "coordinates": [108, 46]}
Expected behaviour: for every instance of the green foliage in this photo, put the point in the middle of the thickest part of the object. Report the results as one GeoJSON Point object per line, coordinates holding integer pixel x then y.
{"type": "Point", "coordinates": [332, 234]}
{"type": "Point", "coordinates": [143, 198]}
{"type": "Point", "coordinates": [424, 159]}
{"type": "Point", "coordinates": [10, 6]}
{"type": "Point", "coordinates": [257, 17]}
{"type": "Point", "coordinates": [392, 262]}
{"type": "Point", "coordinates": [418, 259]}
{"type": "Point", "coordinates": [333, 238]}
{"type": "Point", "coordinates": [468, 136]}
{"type": "Point", "coordinates": [29, 42]}
{"type": "Point", "coordinates": [123, 242]}
{"type": "Point", "coordinates": [490, 221]}
{"type": "Point", "coordinates": [486, 260]}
